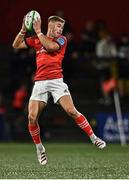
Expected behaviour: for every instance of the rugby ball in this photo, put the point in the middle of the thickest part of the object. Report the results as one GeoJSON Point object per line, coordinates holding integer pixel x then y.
{"type": "Point", "coordinates": [30, 17]}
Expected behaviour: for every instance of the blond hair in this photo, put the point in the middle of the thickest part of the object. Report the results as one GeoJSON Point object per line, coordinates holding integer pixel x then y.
{"type": "Point", "coordinates": [56, 18]}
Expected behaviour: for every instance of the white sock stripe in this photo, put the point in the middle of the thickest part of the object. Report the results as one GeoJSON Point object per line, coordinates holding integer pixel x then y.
{"type": "Point", "coordinates": [84, 126]}
{"type": "Point", "coordinates": [82, 123]}
{"type": "Point", "coordinates": [35, 133]}
{"type": "Point", "coordinates": [35, 130]}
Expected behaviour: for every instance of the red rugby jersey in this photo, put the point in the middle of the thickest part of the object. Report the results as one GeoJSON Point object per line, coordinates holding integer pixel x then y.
{"type": "Point", "coordinates": [49, 64]}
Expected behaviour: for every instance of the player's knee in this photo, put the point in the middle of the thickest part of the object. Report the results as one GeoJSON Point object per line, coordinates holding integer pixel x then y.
{"type": "Point", "coordinates": [72, 112]}
{"type": "Point", "coordinates": [32, 118]}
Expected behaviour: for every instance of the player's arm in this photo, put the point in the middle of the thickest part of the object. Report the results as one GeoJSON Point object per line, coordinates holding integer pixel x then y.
{"type": "Point", "coordinates": [19, 42]}
{"type": "Point", "coordinates": [50, 45]}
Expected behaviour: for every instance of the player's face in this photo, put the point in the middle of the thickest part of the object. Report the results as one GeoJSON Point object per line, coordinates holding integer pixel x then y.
{"type": "Point", "coordinates": [57, 28]}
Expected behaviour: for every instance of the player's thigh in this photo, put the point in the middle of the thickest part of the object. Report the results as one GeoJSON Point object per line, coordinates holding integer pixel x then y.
{"type": "Point", "coordinates": [66, 103]}
{"type": "Point", "coordinates": [35, 108]}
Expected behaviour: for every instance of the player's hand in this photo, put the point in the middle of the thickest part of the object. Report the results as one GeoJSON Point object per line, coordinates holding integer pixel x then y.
{"type": "Point", "coordinates": [23, 29]}
{"type": "Point", "coordinates": [37, 26]}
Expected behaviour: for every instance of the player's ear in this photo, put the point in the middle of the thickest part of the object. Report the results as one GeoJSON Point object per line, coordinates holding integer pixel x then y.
{"type": "Point", "coordinates": [50, 24]}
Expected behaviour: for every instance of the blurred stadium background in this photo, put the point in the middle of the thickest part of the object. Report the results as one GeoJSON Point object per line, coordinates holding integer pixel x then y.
{"type": "Point", "coordinates": [97, 55]}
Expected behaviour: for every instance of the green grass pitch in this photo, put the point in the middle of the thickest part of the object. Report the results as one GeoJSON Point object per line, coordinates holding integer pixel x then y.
{"type": "Point", "coordinates": [66, 161]}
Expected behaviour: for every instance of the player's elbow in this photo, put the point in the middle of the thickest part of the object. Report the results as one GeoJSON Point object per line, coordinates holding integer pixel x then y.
{"type": "Point", "coordinates": [52, 48]}
{"type": "Point", "coordinates": [14, 46]}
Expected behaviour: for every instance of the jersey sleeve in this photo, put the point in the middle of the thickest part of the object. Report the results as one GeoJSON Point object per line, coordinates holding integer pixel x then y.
{"type": "Point", "coordinates": [30, 42]}
{"type": "Point", "coordinates": [61, 41]}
